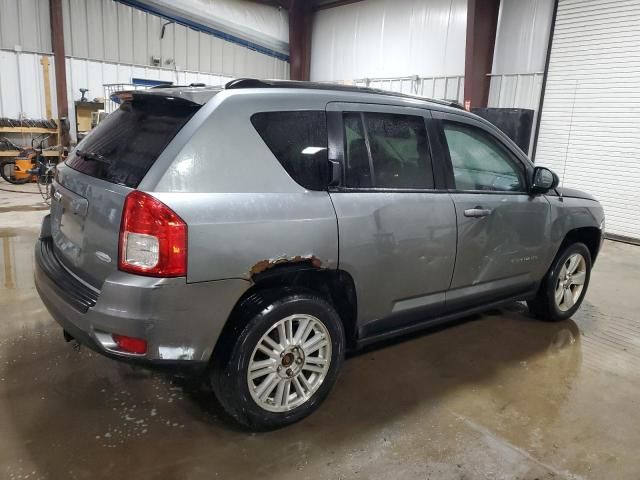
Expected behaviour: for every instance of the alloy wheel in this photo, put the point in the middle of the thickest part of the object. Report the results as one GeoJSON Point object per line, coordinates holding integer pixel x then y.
{"type": "Point", "coordinates": [289, 363]}
{"type": "Point", "coordinates": [570, 282]}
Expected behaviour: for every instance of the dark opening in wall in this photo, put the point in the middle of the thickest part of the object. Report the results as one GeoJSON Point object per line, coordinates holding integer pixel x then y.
{"type": "Point", "coordinates": [516, 123]}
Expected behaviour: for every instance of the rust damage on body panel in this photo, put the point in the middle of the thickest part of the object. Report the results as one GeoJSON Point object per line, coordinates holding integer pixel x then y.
{"type": "Point", "coordinates": [267, 264]}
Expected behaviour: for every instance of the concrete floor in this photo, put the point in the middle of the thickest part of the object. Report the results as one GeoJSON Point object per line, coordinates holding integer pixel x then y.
{"type": "Point", "coordinates": [498, 396]}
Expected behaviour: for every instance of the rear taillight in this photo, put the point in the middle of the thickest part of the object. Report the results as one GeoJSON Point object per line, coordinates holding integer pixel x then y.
{"type": "Point", "coordinates": [153, 238]}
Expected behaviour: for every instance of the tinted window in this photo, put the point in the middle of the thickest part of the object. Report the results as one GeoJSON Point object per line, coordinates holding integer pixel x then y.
{"type": "Point", "coordinates": [399, 151]}
{"type": "Point", "coordinates": [299, 142]}
{"type": "Point", "coordinates": [123, 147]}
{"type": "Point", "coordinates": [358, 171]}
{"type": "Point", "coordinates": [480, 162]}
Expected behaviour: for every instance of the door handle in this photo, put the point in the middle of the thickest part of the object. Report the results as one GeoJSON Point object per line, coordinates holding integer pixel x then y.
{"type": "Point", "coordinates": [477, 212]}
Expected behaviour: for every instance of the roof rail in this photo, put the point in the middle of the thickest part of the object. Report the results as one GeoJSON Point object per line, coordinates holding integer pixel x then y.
{"type": "Point", "coordinates": [258, 83]}
{"type": "Point", "coordinates": [171, 85]}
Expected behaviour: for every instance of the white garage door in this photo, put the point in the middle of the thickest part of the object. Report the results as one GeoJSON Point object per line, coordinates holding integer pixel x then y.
{"type": "Point", "coordinates": [590, 124]}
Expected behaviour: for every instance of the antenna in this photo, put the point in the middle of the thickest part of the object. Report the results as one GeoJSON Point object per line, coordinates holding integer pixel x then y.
{"type": "Point", "coordinates": [566, 152]}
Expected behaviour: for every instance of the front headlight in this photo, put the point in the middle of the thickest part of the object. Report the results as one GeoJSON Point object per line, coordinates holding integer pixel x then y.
{"type": "Point", "coordinates": [602, 225]}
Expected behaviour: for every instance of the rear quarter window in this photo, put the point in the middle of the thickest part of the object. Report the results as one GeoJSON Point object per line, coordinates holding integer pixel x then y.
{"type": "Point", "coordinates": [298, 139]}
{"type": "Point", "coordinates": [124, 146]}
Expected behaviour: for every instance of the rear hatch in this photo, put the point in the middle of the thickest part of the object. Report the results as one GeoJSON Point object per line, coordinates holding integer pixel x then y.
{"type": "Point", "coordinates": [90, 189]}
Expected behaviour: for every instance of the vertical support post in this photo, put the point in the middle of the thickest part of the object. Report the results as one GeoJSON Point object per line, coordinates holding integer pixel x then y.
{"type": "Point", "coordinates": [482, 23]}
{"type": "Point", "coordinates": [57, 42]}
{"type": "Point", "coordinates": [543, 88]}
{"type": "Point", "coordinates": [44, 61]}
{"type": "Point", "coordinates": [300, 24]}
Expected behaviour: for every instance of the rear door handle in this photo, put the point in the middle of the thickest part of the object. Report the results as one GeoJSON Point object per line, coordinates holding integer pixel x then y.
{"type": "Point", "coordinates": [477, 212]}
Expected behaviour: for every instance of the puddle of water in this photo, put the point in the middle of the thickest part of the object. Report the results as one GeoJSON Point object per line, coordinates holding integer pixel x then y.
{"type": "Point", "coordinates": [487, 396]}
{"type": "Point", "coordinates": [16, 263]}
{"type": "Point", "coordinates": [24, 208]}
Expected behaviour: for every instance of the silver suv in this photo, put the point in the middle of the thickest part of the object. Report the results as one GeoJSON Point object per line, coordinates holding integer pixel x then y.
{"type": "Point", "coordinates": [262, 229]}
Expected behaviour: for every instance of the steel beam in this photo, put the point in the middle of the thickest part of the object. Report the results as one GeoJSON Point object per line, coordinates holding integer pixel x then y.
{"type": "Point", "coordinates": [482, 23]}
{"type": "Point", "coordinates": [300, 24]}
{"type": "Point", "coordinates": [57, 41]}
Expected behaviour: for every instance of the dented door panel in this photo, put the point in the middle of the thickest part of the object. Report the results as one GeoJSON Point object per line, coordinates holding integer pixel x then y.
{"type": "Point", "coordinates": [399, 247]}
{"type": "Point", "coordinates": [502, 253]}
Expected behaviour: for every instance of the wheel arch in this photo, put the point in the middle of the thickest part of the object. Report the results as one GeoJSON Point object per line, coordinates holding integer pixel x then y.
{"type": "Point", "coordinates": [334, 285]}
{"type": "Point", "coordinates": [590, 236]}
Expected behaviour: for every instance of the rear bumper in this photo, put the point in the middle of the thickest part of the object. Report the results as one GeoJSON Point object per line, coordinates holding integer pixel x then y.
{"type": "Point", "coordinates": [181, 322]}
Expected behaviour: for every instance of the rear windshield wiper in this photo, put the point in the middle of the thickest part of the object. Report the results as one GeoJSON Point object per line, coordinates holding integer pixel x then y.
{"type": "Point", "coordinates": [92, 156]}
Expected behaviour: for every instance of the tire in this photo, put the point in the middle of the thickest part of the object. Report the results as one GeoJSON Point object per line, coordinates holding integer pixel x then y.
{"type": "Point", "coordinates": [269, 314]}
{"type": "Point", "coordinates": [559, 296]}
{"type": "Point", "coordinates": [7, 166]}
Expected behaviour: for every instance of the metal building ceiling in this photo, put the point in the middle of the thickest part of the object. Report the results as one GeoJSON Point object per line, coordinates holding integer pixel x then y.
{"type": "Point", "coordinates": [106, 30]}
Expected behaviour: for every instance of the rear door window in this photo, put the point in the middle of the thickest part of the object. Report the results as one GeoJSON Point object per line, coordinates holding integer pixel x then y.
{"type": "Point", "coordinates": [358, 164]}
{"type": "Point", "coordinates": [124, 146]}
{"type": "Point", "coordinates": [298, 139]}
{"type": "Point", "coordinates": [386, 150]}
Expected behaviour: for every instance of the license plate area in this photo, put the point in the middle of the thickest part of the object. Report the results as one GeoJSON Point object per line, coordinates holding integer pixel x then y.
{"type": "Point", "coordinates": [68, 214]}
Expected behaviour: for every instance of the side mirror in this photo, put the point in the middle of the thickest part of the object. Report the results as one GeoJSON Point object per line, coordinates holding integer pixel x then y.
{"type": "Point", "coordinates": [543, 180]}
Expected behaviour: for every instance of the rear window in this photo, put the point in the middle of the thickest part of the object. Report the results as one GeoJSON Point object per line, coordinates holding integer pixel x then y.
{"type": "Point", "coordinates": [299, 142]}
{"type": "Point", "coordinates": [124, 146]}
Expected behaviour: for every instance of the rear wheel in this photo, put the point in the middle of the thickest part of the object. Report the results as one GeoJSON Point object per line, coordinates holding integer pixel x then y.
{"type": "Point", "coordinates": [565, 284]}
{"type": "Point", "coordinates": [9, 171]}
{"type": "Point", "coordinates": [286, 357]}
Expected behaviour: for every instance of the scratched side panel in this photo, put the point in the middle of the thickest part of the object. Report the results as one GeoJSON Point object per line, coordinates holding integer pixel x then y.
{"type": "Point", "coordinates": [232, 233]}
{"type": "Point", "coordinates": [400, 249]}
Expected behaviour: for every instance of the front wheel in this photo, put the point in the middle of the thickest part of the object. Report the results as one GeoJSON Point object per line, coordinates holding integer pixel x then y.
{"type": "Point", "coordinates": [284, 360]}
{"type": "Point", "coordinates": [565, 284]}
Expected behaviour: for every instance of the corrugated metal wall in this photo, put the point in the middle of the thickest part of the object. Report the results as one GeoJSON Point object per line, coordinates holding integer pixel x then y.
{"type": "Point", "coordinates": [519, 57]}
{"type": "Point", "coordinates": [25, 25]}
{"type": "Point", "coordinates": [25, 98]}
{"type": "Point", "coordinates": [22, 85]}
{"type": "Point", "coordinates": [110, 31]}
{"type": "Point", "coordinates": [248, 20]}
{"type": "Point", "coordinates": [108, 42]}
{"type": "Point", "coordinates": [520, 52]}
{"type": "Point", "coordinates": [389, 38]}
{"type": "Point", "coordinates": [590, 123]}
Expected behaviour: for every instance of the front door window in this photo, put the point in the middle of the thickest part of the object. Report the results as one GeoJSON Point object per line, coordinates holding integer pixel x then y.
{"type": "Point", "coordinates": [480, 163]}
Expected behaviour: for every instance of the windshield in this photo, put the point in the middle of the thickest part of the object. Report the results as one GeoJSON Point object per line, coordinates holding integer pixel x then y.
{"type": "Point", "coordinates": [124, 146]}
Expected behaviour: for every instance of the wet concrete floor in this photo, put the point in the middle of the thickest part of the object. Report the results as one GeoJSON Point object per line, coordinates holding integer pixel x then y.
{"type": "Point", "coordinates": [499, 396]}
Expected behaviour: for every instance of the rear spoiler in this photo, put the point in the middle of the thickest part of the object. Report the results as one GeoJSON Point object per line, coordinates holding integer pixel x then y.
{"type": "Point", "coordinates": [194, 95]}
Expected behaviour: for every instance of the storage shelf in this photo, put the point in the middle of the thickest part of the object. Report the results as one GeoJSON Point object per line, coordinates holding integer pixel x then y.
{"type": "Point", "coordinates": [28, 130]}
{"type": "Point", "coordinates": [32, 130]}
{"type": "Point", "coordinates": [15, 153]}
